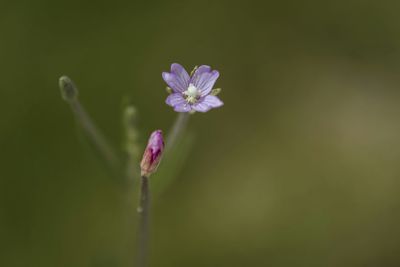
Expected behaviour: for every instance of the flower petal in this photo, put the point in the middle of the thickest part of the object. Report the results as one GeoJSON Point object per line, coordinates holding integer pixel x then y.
{"type": "Point", "coordinates": [204, 79]}
{"type": "Point", "coordinates": [175, 99]}
{"type": "Point", "coordinates": [174, 82]}
{"type": "Point", "coordinates": [198, 73]}
{"type": "Point", "coordinates": [200, 70]}
{"type": "Point", "coordinates": [206, 87]}
{"type": "Point", "coordinates": [184, 107]}
{"type": "Point", "coordinates": [212, 101]}
{"type": "Point", "coordinates": [181, 75]}
{"type": "Point", "coordinates": [201, 107]}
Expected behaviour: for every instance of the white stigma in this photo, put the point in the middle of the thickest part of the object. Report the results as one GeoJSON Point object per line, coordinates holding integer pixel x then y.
{"type": "Point", "coordinates": [191, 94]}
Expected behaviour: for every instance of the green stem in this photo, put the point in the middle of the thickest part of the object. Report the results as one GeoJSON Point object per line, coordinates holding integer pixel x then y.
{"type": "Point", "coordinates": [130, 121]}
{"type": "Point", "coordinates": [69, 92]}
{"type": "Point", "coordinates": [94, 134]}
{"type": "Point", "coordinates": [177, 129]}
{"type": "Point", "coordinates": [143, 228]}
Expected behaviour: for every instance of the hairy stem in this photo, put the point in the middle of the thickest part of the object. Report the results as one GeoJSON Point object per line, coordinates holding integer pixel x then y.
{"type": "Point", "coordinates": [143, 228]}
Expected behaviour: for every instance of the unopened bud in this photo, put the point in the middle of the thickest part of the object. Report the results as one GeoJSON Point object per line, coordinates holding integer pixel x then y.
{"type": "Point", "coordinates": [169, 90]}
{"type": "Point", "coordinates": [153, 153]}
{"type": "Point", "coordinates": [216, 91]}
{"type": "Point", "coordinates": [68, 89]}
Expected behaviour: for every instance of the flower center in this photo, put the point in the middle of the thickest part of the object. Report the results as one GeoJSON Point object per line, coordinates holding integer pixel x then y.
{"type": "Point", "coordinates": [192, 94]}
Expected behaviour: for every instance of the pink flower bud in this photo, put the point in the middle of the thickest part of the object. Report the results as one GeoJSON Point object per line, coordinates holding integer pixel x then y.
{"type": "Point", "coordinates": [152, 154]}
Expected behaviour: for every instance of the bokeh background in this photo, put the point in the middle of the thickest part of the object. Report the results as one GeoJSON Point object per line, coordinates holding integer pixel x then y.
{"type": "Point", "coordinates": [301, 166]}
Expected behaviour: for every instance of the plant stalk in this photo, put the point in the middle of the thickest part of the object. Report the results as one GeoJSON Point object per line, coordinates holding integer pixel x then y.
{"type": "Point", "coordinates": [144, 223]}
{"type": "Point", "coordinates": [176, 130]}
{"type": "Point", "coordinates": [94, 134]}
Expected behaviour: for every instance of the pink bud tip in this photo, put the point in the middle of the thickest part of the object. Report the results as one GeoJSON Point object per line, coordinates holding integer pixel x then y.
{"type": "Point", "coordinates": [152, 154]}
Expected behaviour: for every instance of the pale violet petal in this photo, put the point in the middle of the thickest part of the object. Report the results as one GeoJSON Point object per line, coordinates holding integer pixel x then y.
{"type": "Point", "coordinates": [181, 75]}
{"type": "Point", "coordinates": [212, 101]}
{"type": "Point", "coordinates": [175, 99]}
{"type": "Point", "coordinates": [198, 73]}
{"type": "Point", "coordinates": [184, 107]}
{"type": "Point", "coordinates": [173, 81]}
{"type": "Point", "coordinates": [207, 82]}
{"type": "Point", "coordinates": [201, 107]}
{"type": "Point", "coordinates": [204, 79]}
{"type": "Point", "coordinates": [200, 70]}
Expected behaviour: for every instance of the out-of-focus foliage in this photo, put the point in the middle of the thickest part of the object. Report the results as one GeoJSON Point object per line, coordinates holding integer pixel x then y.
{"type": "Point", "coordinates": [299, 168]}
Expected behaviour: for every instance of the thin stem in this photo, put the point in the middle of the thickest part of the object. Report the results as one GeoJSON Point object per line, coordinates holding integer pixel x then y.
{"type": "Point", "coordinates": [132, 147]}
{"type": "Point", "coordinates": [94, 134]}
{"type": "Point", "coordinates": [143, 228]}
{"type": "Point", "coordinates": [178, 127]}
{"type": "Point", "coordinates": [69, 92]}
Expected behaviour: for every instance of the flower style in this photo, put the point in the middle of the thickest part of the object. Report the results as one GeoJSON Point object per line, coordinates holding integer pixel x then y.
{"type": "Point", "coordinates": [191, 93]}
{"type": "Point", "coordinates": [152, 154]}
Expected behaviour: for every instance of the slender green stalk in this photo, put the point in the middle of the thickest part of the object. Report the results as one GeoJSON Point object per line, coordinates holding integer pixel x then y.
{"type": "Point", "coordinates": [132, 147]}
{"type": "Point", "coordinates": [94, 134]}
{"type": "Point", "coordinates": [176, 130]}
{"type": "Point", "coordinates": [143, 228]}
{"type": "Point", "coordinates": [69, 93]}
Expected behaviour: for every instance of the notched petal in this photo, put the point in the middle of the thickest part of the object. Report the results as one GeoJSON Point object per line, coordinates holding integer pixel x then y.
{"type": "Point", "coordinates": [207, 81]}
{"type": "Point", "coordinates": [181, 75]}
{"type": "Point", "coordinates": [173, 81]}
{"type": "Point", "coordinates": [195, 79]}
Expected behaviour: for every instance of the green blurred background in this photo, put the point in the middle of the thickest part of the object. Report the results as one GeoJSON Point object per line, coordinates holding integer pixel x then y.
{"type": "Point", "coordinates": [299, 168]}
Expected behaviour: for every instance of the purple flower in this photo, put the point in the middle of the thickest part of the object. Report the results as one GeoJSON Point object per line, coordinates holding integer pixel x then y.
{"type": "Point", "coordinates": [152, 154]}
{"type": "Point", "coordinates": [191, 93]}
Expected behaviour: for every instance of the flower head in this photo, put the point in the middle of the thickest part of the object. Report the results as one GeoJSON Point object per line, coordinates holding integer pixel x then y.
{"type": "Point", "coordinates": [191, 93]}
{"type": "Point", "coordinates": [152, 154]}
